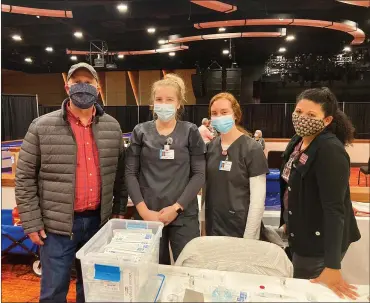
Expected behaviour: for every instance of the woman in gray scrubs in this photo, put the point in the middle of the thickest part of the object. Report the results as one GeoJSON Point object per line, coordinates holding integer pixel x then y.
{"type": "Point", "coordinates": [236, 175]}
{"type": "Point", "coordinates": [165, 168]}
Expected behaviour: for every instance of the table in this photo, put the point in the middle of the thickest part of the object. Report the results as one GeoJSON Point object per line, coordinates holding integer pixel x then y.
{"type": "Point", "coordinates": [180, 278]}
{"type": "Point", "coordinates": [355, 265]}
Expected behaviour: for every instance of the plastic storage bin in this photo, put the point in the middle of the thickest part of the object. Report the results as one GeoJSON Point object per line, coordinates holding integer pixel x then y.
{"type": "Point", "coordinates": [118, 278]}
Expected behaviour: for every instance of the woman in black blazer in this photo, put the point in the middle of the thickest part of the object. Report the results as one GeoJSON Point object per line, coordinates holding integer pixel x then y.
{"type": "Point", "coordinates": [316, 206]}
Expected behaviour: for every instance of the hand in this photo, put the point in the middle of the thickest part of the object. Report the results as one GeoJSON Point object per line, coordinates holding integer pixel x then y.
{"type": "Point", "coordinates": [284, 229]}
{"type": "Point", "coordinates": [35, 237]}
{"type": "Point", "coordinates": [168, 214]}
{"type": "Point", "coordinates": [333, 279]}
{"type": "Point", "coordinates": [150, 215]}
{"type": "Point", "coordinates": [118, 217]}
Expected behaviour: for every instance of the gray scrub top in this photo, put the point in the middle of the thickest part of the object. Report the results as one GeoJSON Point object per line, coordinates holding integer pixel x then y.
{"type": "Point", "coordinates": [161, 183]}
{"type": "Point", "coordinates": [228, 192]}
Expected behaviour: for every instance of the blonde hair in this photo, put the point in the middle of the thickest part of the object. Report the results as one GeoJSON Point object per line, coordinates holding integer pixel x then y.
{"type": "Point", "coordinates": [176, 82]}
{"type": "Point", "coordinates": [235, 107]}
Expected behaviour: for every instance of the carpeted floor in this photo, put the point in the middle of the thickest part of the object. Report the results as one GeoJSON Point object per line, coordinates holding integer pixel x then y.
{"type": "Point", "coordinates": [19, 284]}
{"type": "Point", "coordinates": [354, 178]}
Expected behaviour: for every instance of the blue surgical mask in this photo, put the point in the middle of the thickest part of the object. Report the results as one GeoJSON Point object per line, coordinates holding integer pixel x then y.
{"type": "Point", "coordinates": [223, 124]}
{"type": "Point", "coordinates": [165, 112]}
{"type": "Point", "coordinates": [83, 95]}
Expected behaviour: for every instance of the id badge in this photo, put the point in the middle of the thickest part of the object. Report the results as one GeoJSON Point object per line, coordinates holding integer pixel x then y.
{"type": "Point", "coordinates": [167, 154]}
{"type": "Point", "coordinates": [225, 165]}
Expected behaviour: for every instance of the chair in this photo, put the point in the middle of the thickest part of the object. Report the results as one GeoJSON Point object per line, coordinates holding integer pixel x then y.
{"type": "Point", "coordinates": [236, 255]}
{"type": "Point", "coordinates": [365, 170]}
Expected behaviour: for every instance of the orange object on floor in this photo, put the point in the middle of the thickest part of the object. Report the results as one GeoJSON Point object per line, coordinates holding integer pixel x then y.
{"type": "Point", "coordinates": [20, 284]}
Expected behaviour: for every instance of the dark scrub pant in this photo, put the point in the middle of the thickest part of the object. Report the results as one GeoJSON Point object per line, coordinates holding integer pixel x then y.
{"type": "Point", "coordinates": [57, 257]}
{"type": "Point", "coordinates": [177, 236]}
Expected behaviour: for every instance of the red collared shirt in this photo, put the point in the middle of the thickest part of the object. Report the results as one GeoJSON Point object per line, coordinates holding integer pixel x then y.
{"type": "Point", "coordinates": [88, 182]}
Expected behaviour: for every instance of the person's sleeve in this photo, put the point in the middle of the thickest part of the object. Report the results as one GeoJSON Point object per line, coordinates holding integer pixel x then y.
{"type": "Point", "coordinates": [332, 175]}
{"type": "Point", "coordinates": [256, 160]}
{"type": "Point", "coordinates": [133, 166]}
{"type": "Point", "coordinates": [197, 150]}
{"type": "Point", "coordinates": [256, 207]}
{"type": "Point", "coordinates": [263, 144]}
{"type": "Point", "coordinates": [120, 195]}
{"type": "Point", "coordinates": [26, 182]}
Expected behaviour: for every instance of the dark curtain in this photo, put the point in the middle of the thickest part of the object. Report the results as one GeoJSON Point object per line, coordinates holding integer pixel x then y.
{"type": "Point", "coordinates": [17, 113]}
{"type": "Point", "coordinates": [359, 113]}
{"type": "Point", "coordinates": [275, 120]}
{"type": "Point", "coordinates": [269, 118]}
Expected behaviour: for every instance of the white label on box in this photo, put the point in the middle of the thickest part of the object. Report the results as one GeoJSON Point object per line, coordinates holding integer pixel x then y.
{"type": "Point", "coordinates": [111, 286]}
{"type": "Point", "coordinates": [129, 286]}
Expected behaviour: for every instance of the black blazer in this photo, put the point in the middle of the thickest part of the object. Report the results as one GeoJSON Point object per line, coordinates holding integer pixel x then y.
{"type": "Point", "coordinates": [321, 222]}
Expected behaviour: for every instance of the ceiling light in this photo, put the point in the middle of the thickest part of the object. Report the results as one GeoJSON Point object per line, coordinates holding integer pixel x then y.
{"type": "Point", "coordinates": [120, 56]}
{"type": "Point", "coordinates": [347, 49]}
{"type": "Point", "coordinates": [49, 49]}
{"type": "Point", "coordinates": [222, 29]}
{"type": "Point", "coordinates": [290, 38]}
{"type": "Point", "coordinates": [282, 50]}
{"type": "Point", "coordinates": [78, 34]}
{"type": "Point", "coordinates": [122, 8]}
{"type": "Point", "coordinates": [151, 30]}
{"type": "Point", "coordinates": [226, 52]}
{"type": "Point", "coordinates": [28, 60]}
{"type": "Point", "coordinates": [172, 54]}
{"type": "Point", "coordinates": [74, 58]}
{"type": "Point", "coordinates": [38, 17]}
{"type": "Point", "coordinates": [162, 41]}
{"type": "Point", "coordinates": [17, 37]}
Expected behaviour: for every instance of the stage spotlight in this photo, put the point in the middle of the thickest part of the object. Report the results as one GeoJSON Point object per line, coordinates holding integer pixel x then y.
{"type": "Point", "coordinates": [78, 35]}
{"type": "Point", "coordinates": [122, 8]}
{"type": "Point", "coordinates": [17, 38]}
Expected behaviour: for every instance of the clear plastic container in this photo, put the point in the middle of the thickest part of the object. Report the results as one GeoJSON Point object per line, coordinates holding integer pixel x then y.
{"type": "Point", "coordinates": [118, 278]}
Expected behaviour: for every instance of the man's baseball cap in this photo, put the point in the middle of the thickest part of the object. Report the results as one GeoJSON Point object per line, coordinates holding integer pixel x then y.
{"type": "Point", "coordinates": [84, 65]}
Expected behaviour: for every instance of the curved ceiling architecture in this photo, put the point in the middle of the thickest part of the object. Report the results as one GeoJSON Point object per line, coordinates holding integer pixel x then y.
{"type": "Point", "coordinates": [216, 6]}
{"type": "Point", "coordinates": [36, 11]}
{"type": "Point", "coordinates": [364, 3]}
{"type": "Point", "coordinates": [170, 48]}
{"type": "Point", "coordinates": [132, 53]}
{"type": "Point", "coordinates": [346, 27]}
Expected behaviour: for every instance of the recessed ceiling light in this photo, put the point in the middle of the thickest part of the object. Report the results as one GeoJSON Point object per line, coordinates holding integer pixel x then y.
{"type": "Point", "coordinates": [78, 34]}
{"type": "Point", "coordinates": [162, 41]}
{"type": "Point", "coordinates": [49, 49]}
{"type": "Point", "coordinates": [74, 58]}
{"type": "Point", "coordinates": [226, 52]}
{"type": "Point", "coordinates": [222, 29]}
{"type": "Point", "coordinates": [172, 54]}
{"type": "Point", "coordinates": [151, 30]}
{"type": "Point", "coordinates": [38, 17]}
{"type": "Point", "coordinates": [17, 37]}
{"type": "Point", "coordinates": [347, 49]}
{"type": "Point", "coordinates": [120, 56]}
{"type": "Point", "coordinates": [122, 7]}
{"type": "Point", "coordinates": [290, 38]}
{"type": "Point", "coordinates": [28, 60]}
{"type": "Point", "coordinates": [282, 50]}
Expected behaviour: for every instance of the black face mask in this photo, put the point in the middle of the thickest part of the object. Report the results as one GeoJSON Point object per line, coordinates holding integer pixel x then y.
{"type": "Point", "coordinates": [83, 95]}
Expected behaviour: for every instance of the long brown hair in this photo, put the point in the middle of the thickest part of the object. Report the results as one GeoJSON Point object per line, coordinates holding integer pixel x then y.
{"type": "Point", "coordinates": [238, 114]}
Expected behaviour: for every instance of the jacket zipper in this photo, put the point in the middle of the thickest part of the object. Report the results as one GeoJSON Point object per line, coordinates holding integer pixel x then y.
{"type": "Point", "coordinates": [74, 182]}
{"type": "Point", "coordinates": [101, 178]}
